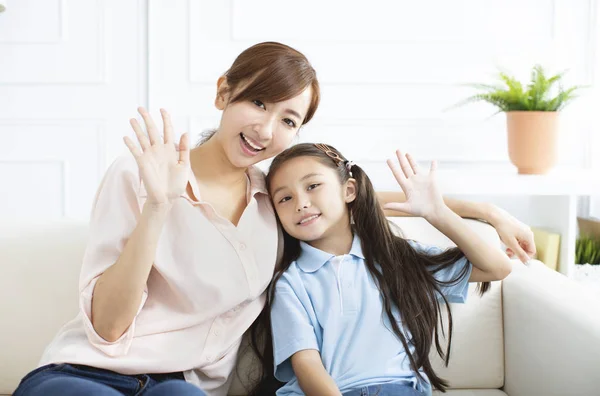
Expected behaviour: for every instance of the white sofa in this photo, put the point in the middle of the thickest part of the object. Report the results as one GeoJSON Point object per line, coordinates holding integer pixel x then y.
{"type": "Point", "coordinates": [535, 333]}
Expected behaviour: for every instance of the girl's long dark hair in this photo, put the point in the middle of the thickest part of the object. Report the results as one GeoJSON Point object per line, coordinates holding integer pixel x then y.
{"type": "Point", "coordinates": [405, 276]}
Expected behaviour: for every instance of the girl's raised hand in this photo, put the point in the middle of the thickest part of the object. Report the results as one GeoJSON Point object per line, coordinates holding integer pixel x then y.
{"type": "Point", "coordinates": [420, 188]}
{"type": "Point", "coordinates": [164, 168]}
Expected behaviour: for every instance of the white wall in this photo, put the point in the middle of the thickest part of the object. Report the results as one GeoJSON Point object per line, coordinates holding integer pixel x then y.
{"type": "Point", "coordinates": [389, 71]}
{"type": "Point", "coordinates": [71, 74]}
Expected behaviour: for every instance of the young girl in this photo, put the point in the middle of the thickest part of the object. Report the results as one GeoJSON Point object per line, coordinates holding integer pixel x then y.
{"type": "Point", "coordinates": [355, 307]}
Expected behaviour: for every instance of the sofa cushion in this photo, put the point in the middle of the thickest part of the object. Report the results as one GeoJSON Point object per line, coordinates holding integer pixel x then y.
{"type": "Point", "coordinates": [472, 392]}
{"type": "Point", "coordinates": [38, 287]}
{"type": "Point", "coordinates": [477, 352]}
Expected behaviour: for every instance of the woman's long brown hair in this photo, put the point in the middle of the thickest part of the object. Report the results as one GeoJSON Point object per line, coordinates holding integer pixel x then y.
{"type": "Point", "coordinates": [405, 276]}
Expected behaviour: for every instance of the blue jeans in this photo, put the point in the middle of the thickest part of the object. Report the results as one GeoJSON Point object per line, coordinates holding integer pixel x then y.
{"type": "Point", "coordinates": [386, 390]}
{"type": "Point", "coordinates": [75, 380]}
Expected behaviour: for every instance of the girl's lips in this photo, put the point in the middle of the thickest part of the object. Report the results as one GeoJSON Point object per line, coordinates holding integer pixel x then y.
{"type": "Point", "coordinates": [311, 221]}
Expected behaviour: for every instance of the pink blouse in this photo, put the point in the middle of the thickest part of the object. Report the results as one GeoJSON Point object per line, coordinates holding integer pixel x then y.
{"type": "Point", "coordinates": [204, 291]}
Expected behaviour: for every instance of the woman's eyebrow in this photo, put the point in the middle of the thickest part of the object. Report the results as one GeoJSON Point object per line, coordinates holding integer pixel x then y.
{"type": "Point", "coordinates": [293, 112]}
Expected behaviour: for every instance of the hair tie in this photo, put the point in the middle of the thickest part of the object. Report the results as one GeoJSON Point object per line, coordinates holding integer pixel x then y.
{"type": "Point", "coordinates": [349, 165]}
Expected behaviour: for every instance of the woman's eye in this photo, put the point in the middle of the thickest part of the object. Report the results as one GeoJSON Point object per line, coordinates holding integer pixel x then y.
{"type": "Point", "coordinates": [290, 123]}
{"type": "Point", "coordinates": [259, 103]}
{"type": "Point", "coordinates": [312, 186]}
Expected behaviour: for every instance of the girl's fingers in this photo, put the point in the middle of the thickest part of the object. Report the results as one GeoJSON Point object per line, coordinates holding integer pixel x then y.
{"type": "Point", "coordinates": [413, 164]}
{"type": "Point", "coordinates": [408, 172]}
{"type": "Point", "coordinates": [168, 126]}
{"type": "Point", "coordinates": [184, 149]}
{"type": "Point", "coordinates": [398, 174]}
{"type": "Point", "coordinates": [133, 148]}
{"type": "Point", "coordinates": [139, 133]}
{"type": "Point", "coordinates": [433, 167]}
{"type": "Point", "coordinates": [150, 126]}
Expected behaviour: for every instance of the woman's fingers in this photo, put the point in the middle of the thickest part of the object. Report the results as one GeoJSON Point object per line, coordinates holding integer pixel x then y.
{"type": "Point", "coordinates": [139, 133]}
{"type": "Point", "coordinates": [515, 250]}
{"type": "Point", "coordinates": [133, 148]}
{"type": "Point", "coordinates": [150, 126]}
{"type": "Point", "coordinates": [152, 138]}
{"type": "Point", "coordinates": [168, 126]}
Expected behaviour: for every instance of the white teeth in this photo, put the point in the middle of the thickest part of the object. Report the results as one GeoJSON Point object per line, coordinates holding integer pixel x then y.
{"type": "Point", "coordinates": [309, 219]}
{"type": "Point", "coordinates": [250, 143]}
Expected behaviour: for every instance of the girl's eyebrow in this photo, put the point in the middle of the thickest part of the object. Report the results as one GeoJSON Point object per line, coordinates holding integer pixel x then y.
{"type": "Point", "coordinates": [303, 178]}
{"type": "Point", "coordinates": [311, 175]}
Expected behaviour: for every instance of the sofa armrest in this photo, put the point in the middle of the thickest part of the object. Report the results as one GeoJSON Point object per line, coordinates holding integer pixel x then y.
{"type": "Point", "coordinates": [551, 334]}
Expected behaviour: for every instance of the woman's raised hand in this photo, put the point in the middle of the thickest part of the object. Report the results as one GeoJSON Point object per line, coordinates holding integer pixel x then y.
{"type": "Point", "coordinates": [164, 167]}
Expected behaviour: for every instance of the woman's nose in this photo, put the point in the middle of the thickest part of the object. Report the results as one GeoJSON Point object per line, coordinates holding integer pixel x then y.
{"type": "Point", "coordinates": [264, 129]}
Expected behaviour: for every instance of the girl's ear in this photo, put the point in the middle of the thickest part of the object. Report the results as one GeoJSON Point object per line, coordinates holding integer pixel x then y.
{"type": "Point", "coordinates": [350, 193]}
{"type": "Point", "coordinates": [222, 93]}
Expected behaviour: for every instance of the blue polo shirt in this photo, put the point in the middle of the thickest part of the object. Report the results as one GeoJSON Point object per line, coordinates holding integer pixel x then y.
{"type": "Point", "coordinates": [331, 304]}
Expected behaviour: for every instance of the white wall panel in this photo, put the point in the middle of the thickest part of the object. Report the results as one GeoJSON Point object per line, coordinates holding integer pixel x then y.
{"type": "Point", "coordinates": [34, 22]}
{"type": "Point", "coordinates": [37, 190]}
{"type": "Point", "coordinates": [72, 74]}
{"type": "Point", "coordinates": [67, 47]}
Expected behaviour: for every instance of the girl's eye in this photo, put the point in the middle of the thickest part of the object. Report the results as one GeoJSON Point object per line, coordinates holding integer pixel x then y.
{"type": "Point", "coordinates": [290, 123]}
{"type": "Point", "coordinates": [312, 186]}
{"type": "Point", "coordinates": [259, 104]}
{"type": "Point", "coordinates": [284, 199]}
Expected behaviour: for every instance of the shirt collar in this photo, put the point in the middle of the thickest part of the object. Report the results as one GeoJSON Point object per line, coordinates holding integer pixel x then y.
{"type": "Point", "coordinates": [311, 258]}
{"type": "Point", "coordinates": [257, 181]}
{"type": "Point", "coordinates": [255, 175]}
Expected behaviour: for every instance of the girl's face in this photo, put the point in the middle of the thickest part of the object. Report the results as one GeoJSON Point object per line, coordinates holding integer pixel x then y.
{"type": "Point", "coordinates": [252, 131]}
{"type": "Point", "coordinates": [310, 200]}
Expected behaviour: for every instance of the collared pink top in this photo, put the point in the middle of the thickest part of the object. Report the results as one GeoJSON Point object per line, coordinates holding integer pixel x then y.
{"type": "Point", "coordinates": [204, 291]}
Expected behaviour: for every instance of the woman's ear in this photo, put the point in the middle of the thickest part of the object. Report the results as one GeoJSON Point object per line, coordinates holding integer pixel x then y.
{"type": "Point", "coordinates": [222, 93]}
{"type": "Point", "coordinates": [350, 193]}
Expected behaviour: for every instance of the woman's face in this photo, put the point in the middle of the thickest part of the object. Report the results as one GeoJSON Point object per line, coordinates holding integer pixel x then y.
{"type": "Point", "coordinates": [252, 131]}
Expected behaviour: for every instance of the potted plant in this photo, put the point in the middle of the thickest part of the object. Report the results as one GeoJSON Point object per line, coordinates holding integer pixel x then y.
{"type": "Point", "coordinates": [531, 115]}
{"type": "Point", "coordinates": [587, 261]}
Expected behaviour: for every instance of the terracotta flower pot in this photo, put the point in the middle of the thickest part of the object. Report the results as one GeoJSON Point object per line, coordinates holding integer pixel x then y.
{"type": "Point", "coordinates": [532, 140]}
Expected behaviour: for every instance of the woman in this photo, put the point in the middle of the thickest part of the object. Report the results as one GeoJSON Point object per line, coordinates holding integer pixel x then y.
{"type": "Point", "coordinates": [183, 244]}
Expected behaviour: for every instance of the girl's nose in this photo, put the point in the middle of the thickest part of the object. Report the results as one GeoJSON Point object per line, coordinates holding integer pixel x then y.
{"type": "Point", "coordinates": [302, 207]}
